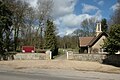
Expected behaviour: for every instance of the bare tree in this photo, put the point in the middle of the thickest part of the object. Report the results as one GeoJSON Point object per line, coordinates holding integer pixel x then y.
{"type": "Point", "coordinates": [44, 9]}
{"type": "Point", "coordinates": [19, 9]}
{"type": "Point", "coordinates": [44, 12]}
{"type": "Point", "coordinates": [88, 26]}
{"type": "Point", "coordinates": [115, 19]}
{"type": "Point", "coordinates": [28, 31]}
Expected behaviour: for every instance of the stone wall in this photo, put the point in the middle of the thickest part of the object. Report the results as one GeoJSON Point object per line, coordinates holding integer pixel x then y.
{"type": "Point", "coordinates": [87, 57]}
{"type": "Point", "coordinates": [27, 56]}
{"type": "Point", "coordinates": [102, 58]}
{"type": "Point", "coordinates": [30, 56]}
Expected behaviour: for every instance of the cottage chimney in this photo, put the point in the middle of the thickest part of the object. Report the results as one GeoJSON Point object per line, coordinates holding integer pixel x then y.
{"type": "Point", "coordinates": [98, 29]}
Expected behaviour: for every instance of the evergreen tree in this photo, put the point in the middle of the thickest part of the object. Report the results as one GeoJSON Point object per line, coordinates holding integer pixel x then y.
{"type": "Point", "coordinates": [112, 44]}
{"type": "Point", "coordinates": [5, 27]}
{"type": "Point", "coordinates": [104, 25]}
{"type": "Point", "coordinates": [50, 38]}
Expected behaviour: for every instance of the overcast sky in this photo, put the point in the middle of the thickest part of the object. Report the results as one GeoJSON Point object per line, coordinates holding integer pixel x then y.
{"type": "Point", "coordinates": [69, 14]}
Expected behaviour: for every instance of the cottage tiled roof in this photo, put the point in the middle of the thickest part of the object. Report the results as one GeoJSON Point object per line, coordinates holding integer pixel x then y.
{"type": "Point", "coordinates": [90, 41]}
{"type": "Point", "coordinates": [84, 41]}
{"type": "Point", "coordinates": [95, 39]}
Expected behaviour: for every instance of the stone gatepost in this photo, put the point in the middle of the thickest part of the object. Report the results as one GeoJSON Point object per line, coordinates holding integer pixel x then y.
{"type": "Point", "coordinates": [69, 55]}
{"type": "Point", "coordinates": [48, 55]}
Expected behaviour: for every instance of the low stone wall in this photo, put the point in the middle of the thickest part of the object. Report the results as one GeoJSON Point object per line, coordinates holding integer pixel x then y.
{"type": "Point", "coordinates": [30, 56]}
{"type": "Point", "coordinates": [102, 58]}
{"type": "Point", "coordinates": [87, 57]}
{"type": "Point", "coordinates": [26, 56]}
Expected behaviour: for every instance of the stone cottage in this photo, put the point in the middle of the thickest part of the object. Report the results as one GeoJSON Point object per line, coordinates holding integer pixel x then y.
{"type": "Point", "coordinates": [93, 44]}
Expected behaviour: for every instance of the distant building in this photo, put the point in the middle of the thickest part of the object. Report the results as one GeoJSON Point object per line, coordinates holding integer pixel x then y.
{"type": "Point", "coordinates": [93, 44]}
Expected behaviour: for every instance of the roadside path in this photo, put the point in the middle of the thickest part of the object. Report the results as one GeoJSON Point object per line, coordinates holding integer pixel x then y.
{"type": "Point", "coordinates": [61, 57]}
{"type": "Point", "coordinates": [58, 64]}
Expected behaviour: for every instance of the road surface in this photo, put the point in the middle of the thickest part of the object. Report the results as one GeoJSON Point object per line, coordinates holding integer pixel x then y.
{"type": "Point", "coordinates": [47, 74]}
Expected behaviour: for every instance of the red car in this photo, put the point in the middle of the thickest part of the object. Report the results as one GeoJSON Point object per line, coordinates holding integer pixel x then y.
{"type": "Point", "coordinates": [28, 49]}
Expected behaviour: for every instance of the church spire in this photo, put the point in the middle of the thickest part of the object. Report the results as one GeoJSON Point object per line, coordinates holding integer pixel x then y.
{"type": "Point", "coordinates": [98, 28]}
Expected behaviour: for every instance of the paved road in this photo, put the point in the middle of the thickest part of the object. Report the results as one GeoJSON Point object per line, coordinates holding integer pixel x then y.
{"type": "Point", "coordinates": [26, 76]}
{"type": "Point", "coordinates": [37, 74]}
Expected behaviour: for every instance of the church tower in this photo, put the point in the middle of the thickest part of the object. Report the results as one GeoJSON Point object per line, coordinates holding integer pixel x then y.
{"type": "Point", "coordinates": [98, 28]}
